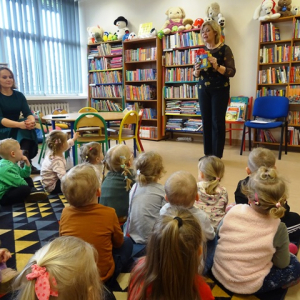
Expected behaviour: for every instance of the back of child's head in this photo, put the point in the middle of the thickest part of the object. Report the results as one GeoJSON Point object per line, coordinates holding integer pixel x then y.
{"type": "Point", "coordinates": [172, 258]}
{"type": "Point", "coordinates": [149, 168]}
{"type": "Point", "coordinates": [267, 191]}
{"type": "Point", "coordinates": [55, 141]}
{"type": "Point", "coordinates": [118, 159]}
{"type": "Point", "coordinates": [91, 153]}
{"type": "Point", "coordinates": [212, 169]}
{"type": "Point", "coordinates": [181, 189]}
{"type": "Point", "coordinates": [71, 265]}
{"type": "Point", "coordinates": [7, 146]}
{"type": "Point", "coordinates": [261, 157]}
{"type": "Point", "coordinates": [80, 184]}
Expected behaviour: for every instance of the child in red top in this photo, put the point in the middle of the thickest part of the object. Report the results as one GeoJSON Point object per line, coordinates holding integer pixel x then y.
{"type": "Point", "coordinates": [170, 269]}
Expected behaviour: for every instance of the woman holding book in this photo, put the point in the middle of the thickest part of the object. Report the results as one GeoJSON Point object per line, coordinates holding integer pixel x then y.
{"type": "Point", "coordinates": [214, 88]}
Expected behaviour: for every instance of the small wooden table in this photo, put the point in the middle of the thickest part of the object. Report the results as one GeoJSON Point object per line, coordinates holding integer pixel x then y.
{"type": "Point", "coordinates": [72, 117]}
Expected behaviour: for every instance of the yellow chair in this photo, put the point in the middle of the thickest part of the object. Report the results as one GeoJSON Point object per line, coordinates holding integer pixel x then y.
{"type": "Point", "coordinates": [87, 109]}
{"type": "Point", "coordinates": [124, 134]}
{"type": "Point", "coordinates": [60, 111]}
{"type": "Point", "coordinates": [92, 128]}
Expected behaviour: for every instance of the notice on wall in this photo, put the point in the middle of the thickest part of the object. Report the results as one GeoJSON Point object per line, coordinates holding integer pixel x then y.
{"type": "Point", "coordinates": [145, 28]}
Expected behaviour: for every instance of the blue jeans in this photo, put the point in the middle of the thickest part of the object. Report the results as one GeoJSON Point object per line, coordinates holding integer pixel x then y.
{"type": "Point", "coordinates": [210, 253]}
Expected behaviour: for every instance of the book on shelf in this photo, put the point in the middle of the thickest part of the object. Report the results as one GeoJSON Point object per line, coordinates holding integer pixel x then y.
{"type": "Point", "coordinates": [277, 34]}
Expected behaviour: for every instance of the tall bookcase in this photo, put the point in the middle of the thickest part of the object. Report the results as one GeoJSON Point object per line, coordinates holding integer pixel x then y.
{"type": "Point", "coordinates": [105, 77]}
{"type": "Point", "coordinates": [279, 71]}
{"type": "Point", "coordinates": [143, 83]}
{"type": "Point", "coordinates": [180, 93]}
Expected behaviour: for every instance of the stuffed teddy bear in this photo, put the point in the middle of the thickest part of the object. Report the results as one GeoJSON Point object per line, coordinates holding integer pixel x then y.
{"type": "Point", "coordinates": [121, 23]}
{"type": "Point", "coordinates": [295, 10]}
{"type": "Point", "coordinates": [95, 34]}
{"type": "Point", "coordinates": [176, 20]}
{"type": "Point", "coordinates": [284, 8]}
{"type": "Point", "coordinates": [213, 12]}
{"type": "Point", "coordinates": [266, 11]}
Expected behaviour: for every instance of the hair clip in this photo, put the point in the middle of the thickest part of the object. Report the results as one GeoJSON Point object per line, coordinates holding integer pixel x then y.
{"type": "Point", "coordinates": [123, 166]}
{"type": "Point", "coordinates": [57, 141]}
{"type": "Point", "coordinates": [256, 201]}
{"type": "Point", "coordinates": [86, 156]}
{"type": "Point", "coordinates": [218, 178]}
{"type": "Point", "coordinates": [123, 157]}
{"type": "Point", "coordinates": [138, 172]}
{"type": "Point", "coordinates": [91, 148]}
{"type": "Point", "coordinates": [278, 204]}
{"type": "Point", "coordinates": [179, 220]}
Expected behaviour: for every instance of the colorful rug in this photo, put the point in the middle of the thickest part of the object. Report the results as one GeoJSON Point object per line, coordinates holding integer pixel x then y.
{"type": "Point", "coordinates": [26, 227]}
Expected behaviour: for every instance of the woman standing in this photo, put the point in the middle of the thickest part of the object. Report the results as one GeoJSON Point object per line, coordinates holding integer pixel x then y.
{"type": "Point", "coordinates": [214, 88]}
{"type": "Point", "coordinates": [12, 104]}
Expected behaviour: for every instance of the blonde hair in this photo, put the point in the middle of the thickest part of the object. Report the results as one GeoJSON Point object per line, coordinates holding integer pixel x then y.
{"type": "Point", "coordinates": [172, 259]}
{"type": "Point", "coordinates": [212, 169]}
{"type": "Point", "coordinates": [14, 86]}
{"type": "Point", "coordinates": [260, 157]}
{"type": "Point", "coordinates": [90, 152]}
{"type": "Point", "coordinates": [268, 191]}
{"type": "Point", "coordinates": [149, 167]}
{"type": "Point", "coordinates": [181, 189]}
{"type": "Point", "coordinates": [76, 278]}
{"type": "Point", "coordinates": [55, 141]}
{"type": "Point", "coordinates": [80, 184]}
{"type": "Point", "coordinates": [215, 27]}
{"type": "Point", "coordinates": [117, 160]}
{"type": "Point", "coordinates": [7, 146]}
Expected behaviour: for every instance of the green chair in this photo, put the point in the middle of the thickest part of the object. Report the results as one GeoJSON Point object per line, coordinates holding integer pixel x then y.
{"type": "Point", "coordinates": [92, 128]}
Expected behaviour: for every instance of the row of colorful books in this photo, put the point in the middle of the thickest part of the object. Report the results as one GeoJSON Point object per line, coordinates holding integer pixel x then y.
{"type": "Point", "coordinates": [115, 62]}
{"type": "Point", "coordinates": [265, 136]}
{"type": "Point", "coordinates": [141, 74]}
{"type": "Point", "coordinates": [183, 39]}
{"type": "Point", "coordinates": [264, 91]}
{"type": "Point", "coordinates": [293, 135]}
{"type": "Point", "coordinates": [149, 113]}
{"type": "Point", "coordinates": [107, 91]}
{"type": "Point", "coordinates": [297, 29]}
{"type": "Point", "coordinates": [294, 117]}
{"type": "Point", "coordinates": [182, 107]}
{"type": "Point", "coordinates": [179, 74]}
{"type": "Point", "coordinates": [275, 54]}
{"type": "Point", "coordinates": [295, 75]}
{"type": "Point", "coordinates": [142, 92]}
{"type": "Point", "coordinates": [182, 91]}
{"type": "Point", "coordinates": [269, 33]}
{"type": "Point", "coordinates": [105, 77]}
{"type": "Point", "coordinates": [183, 124]}
{"type": "Point", "coordinates": [108, 49]}
{"type": "Point", "coordinates": [274, 75]}
{"type": "Point", "coordinates": [180, 57]}
{"type": "Point", "coordinates": [296, 53]}
{"type": "Point", "coordinates": [140, 54]}
{"type": "Point", "coordinates": [105, 105]}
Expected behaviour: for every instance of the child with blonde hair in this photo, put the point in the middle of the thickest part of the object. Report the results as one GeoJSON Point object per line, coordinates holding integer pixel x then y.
{"type": "Point", "coordinates": [93, 222]}
{"type": "Point", "coordinates": [173, 254]}
{"type": "Point", "coordinates": [63, 269]}
{"type": "Point", "coordinates": [54, 165]}
{"type": "Point", "coordinates": [16, 185]}
{"type": "Point", "coordinates": [147, 197]}
{"type": "Point", "coordinates": [252, 255]}
{"type": "Point", "coordinates": [181, 190]}
{"type": "Point", "coordinates": [118, 181]}
{"type": "Point", "coordinates": [213, 197]}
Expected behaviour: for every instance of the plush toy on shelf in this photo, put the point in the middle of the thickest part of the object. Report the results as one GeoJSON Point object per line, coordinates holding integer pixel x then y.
{"type": "Point", "coordinates": [284, 7]}
{"type": "Point", "coordinates": [95, 34]}
{"type": "Point", "coordinates": [295, 10]}
{"type": "Point", "coordinates": [214, 13]}
{"type": "Point", "coordinates": [266, 11]}
{"type": "Point", "coordinates": [121, 23]}
{"type": "Point", "coordinates": [198, 23]}
{"type": "Point", "coordinates": [176, 20]}
{"type": "Point", "coordinates": [132, 36]}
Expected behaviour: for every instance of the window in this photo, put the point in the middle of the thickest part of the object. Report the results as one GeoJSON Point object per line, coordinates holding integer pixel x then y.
{"type": "Point", "coordinates": [39, 39]}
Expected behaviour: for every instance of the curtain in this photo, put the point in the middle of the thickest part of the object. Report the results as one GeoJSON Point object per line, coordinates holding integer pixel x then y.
{"type": "Point", "coordinates": [39, 39]}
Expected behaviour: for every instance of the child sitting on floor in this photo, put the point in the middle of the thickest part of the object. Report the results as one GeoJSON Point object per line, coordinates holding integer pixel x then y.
{"type": "Point", "coordinates": [93, 222]}
{"type": "Point", "coordinates": [170, 268]}
{"type": "Point", "coordinates": [63, 269]}
{"type": "Point", "coordinates": [118, 181]}
{"type": "Point", "coordinates": [181, 190]}
{"type": "Point", "coordinates": [147, 197]}
{"type": "Point", "coordinates": [54, 165]}
{"type": "Point", "coordinates": [260, 157]}
{"type": "Point", "coordinates": [16, 185]}
{"type": "Point", "coordinates": [252, 255]}
{"type": "Point", "coordinates": [213, 197]}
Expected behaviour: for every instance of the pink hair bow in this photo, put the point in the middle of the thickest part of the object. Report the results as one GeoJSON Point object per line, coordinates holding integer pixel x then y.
{"type": "Point", "coordinates": [42, 285]}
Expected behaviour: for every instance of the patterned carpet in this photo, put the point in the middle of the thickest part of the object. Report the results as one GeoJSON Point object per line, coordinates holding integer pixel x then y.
{"type": "Point", "coordinates": [26, 227]}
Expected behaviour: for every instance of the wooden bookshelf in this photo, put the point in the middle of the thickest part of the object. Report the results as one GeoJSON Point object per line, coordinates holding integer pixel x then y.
{"type": "Point", "coordinates": [143, 83]}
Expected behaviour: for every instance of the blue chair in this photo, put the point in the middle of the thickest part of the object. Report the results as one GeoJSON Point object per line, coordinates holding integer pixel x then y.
{"type": "Point", "coordinates": [269, 107]}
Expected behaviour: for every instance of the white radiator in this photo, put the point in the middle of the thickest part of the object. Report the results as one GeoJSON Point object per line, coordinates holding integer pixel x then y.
{"type": "Point", "coordinates": [48, 108]}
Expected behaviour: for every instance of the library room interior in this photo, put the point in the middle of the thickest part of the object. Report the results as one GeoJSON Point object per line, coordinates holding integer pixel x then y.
{"type": "Point", "coordinates": [167, 101]}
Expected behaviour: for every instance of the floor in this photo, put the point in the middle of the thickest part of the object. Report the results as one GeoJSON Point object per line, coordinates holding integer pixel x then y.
{"type": "Point", "coordinates": [184, 156]}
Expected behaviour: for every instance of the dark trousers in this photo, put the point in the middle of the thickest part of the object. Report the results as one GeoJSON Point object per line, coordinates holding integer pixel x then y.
{"type": "Point", "coordinates": [29, 146]}
{"type": "Point", "coordinates": [57, 189]}
{"type": "Point", "coordinates": [17, 194]}
{"type": "Point", "coordinates": [213, 105]}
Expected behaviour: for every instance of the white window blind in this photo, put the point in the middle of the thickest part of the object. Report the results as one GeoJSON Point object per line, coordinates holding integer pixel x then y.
{"type": "Point", "coordinates": [39, 39]}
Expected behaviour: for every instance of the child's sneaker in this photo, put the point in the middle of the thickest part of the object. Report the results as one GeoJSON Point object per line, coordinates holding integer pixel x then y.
{"type": "Point", "coordinates": [36, 195]}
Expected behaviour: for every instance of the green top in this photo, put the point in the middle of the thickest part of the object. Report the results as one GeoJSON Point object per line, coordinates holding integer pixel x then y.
{"type": "Point", "coordinates": [11, 175]}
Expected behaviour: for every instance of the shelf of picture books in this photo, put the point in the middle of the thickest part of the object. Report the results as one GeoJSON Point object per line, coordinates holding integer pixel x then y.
{"type": "Point", "coordinates": [105, 64]}
{"type": "Point", "coordinates": [142, 84]}
{"type": "Point", "coordinates": [237, 109]}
